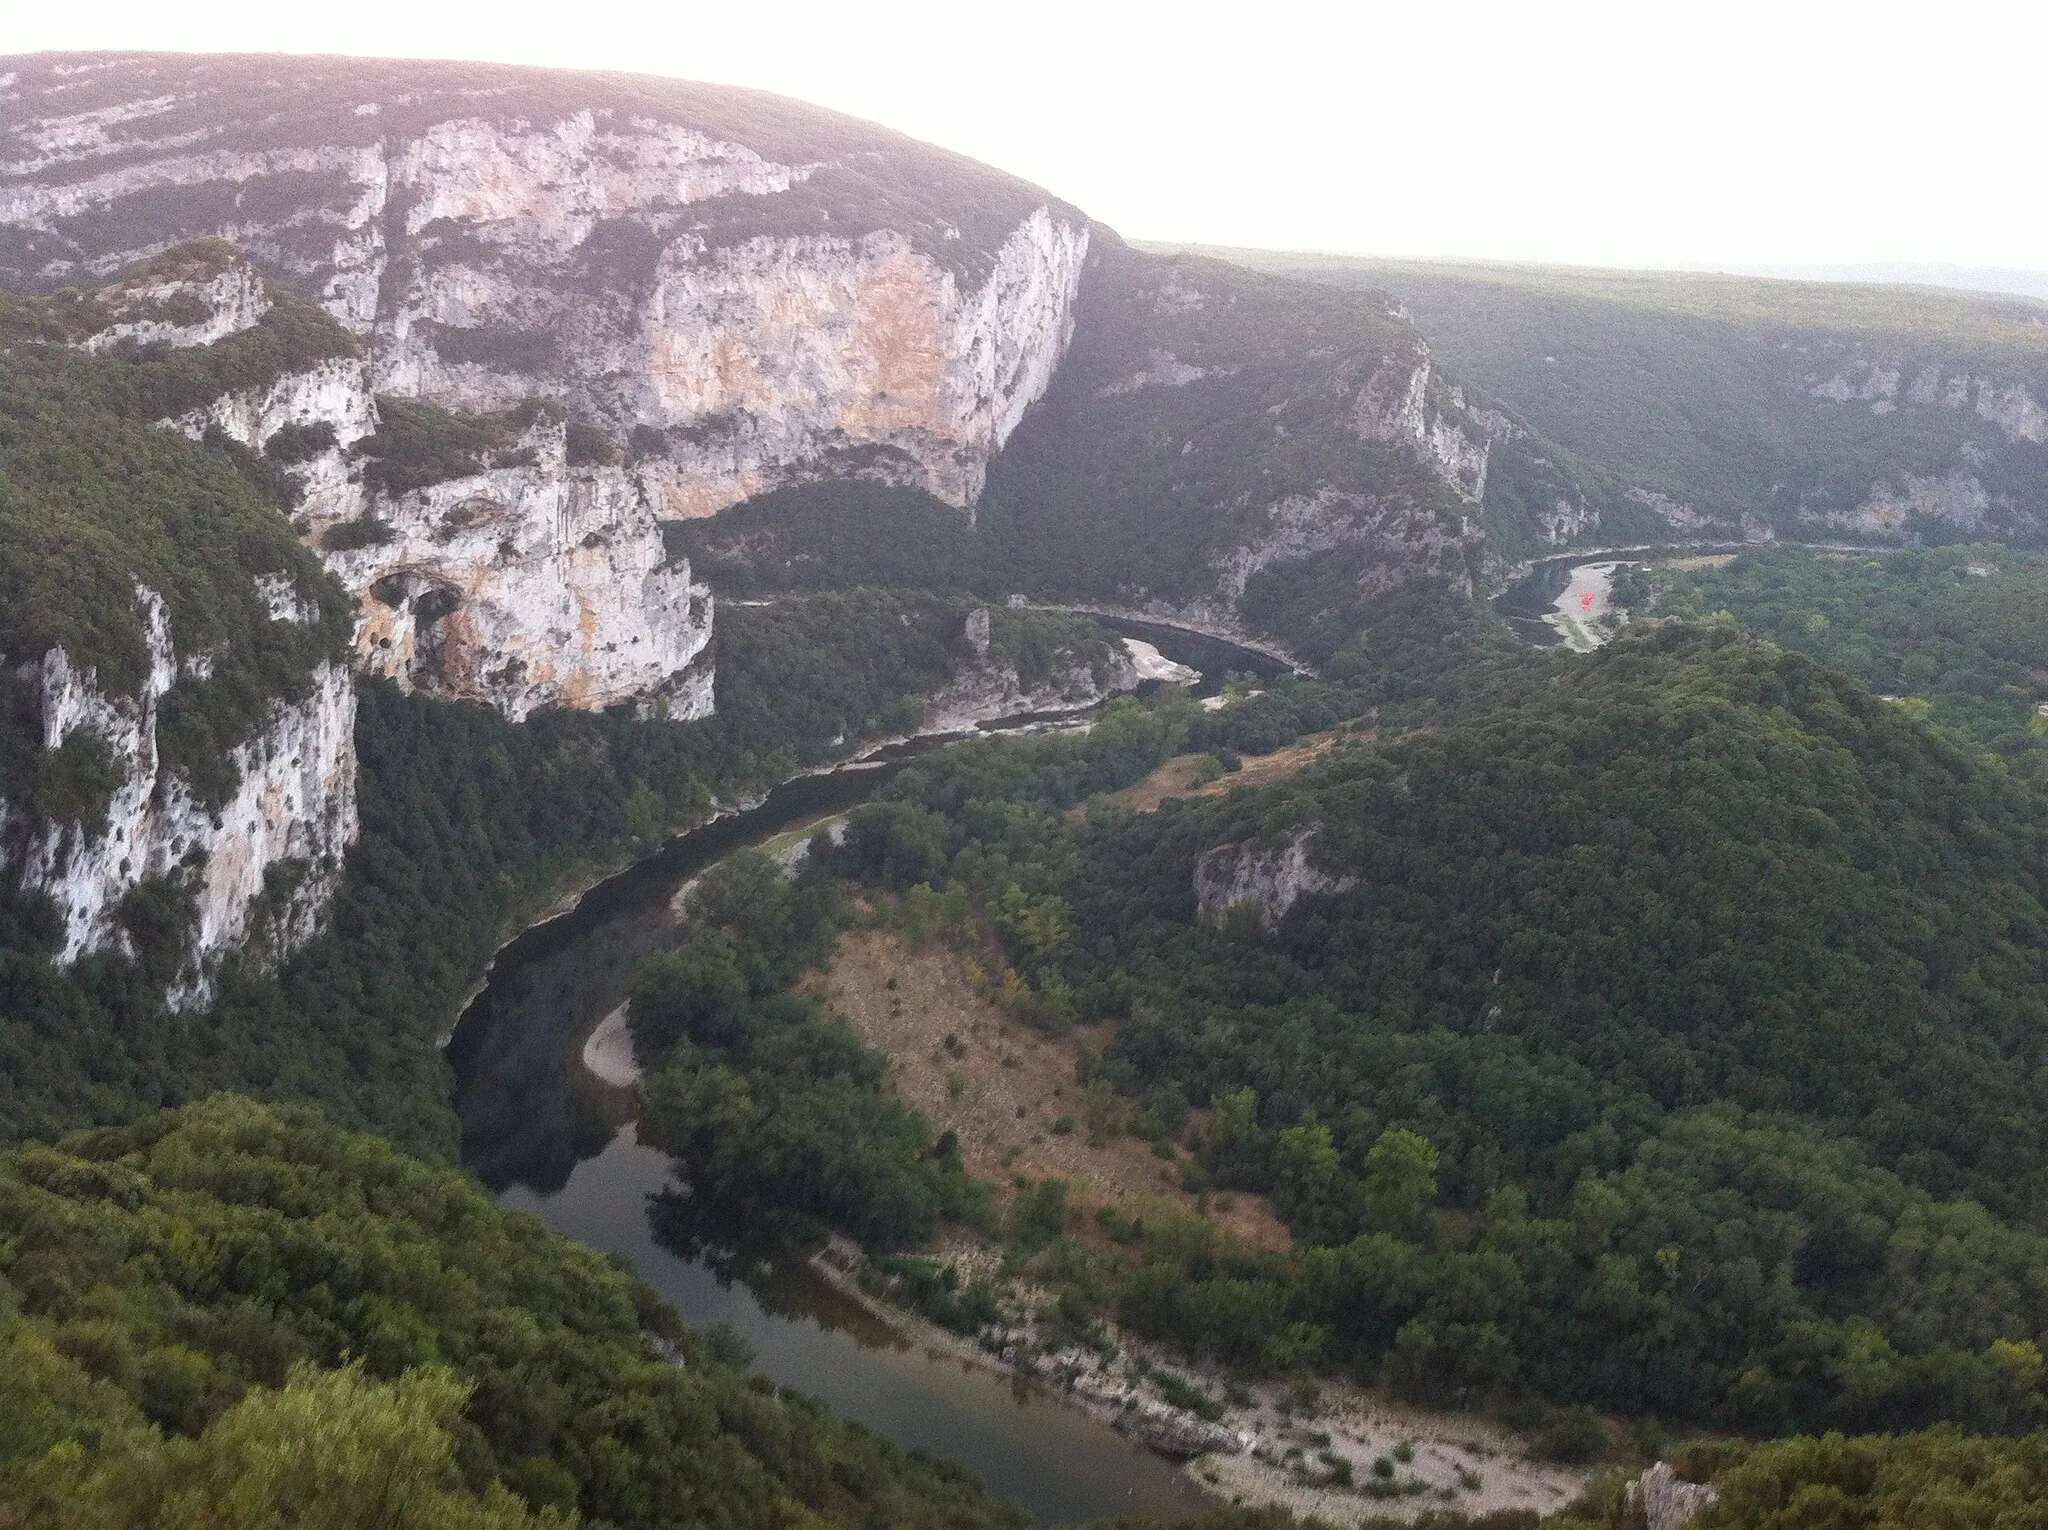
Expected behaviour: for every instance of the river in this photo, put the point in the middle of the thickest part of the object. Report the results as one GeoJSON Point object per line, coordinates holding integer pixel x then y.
{"type": "Point", "coordinates": [550, 1139]}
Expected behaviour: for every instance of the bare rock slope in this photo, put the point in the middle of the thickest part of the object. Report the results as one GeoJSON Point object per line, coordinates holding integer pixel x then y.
{"type": "Point", "coordinates": [750, 290]}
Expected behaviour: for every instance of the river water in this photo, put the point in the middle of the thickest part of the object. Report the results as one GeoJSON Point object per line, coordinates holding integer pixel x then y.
{"type": "Point", "coordinates": [552, 1140]}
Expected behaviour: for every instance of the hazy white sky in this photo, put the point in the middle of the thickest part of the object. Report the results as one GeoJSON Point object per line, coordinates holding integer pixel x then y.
{"type": "Point", "coordinates": [1724, 132]}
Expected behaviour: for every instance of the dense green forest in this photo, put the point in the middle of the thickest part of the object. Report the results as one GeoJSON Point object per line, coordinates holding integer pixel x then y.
{"type": "Point", "coordinates": [1676, 1049]}
{"type": "Point", "coordinates": [1704, 388]}
{"type": "Point", "coordinates": [239, 1315]}
{"type": "Point", "coordinates": [1962, 629]}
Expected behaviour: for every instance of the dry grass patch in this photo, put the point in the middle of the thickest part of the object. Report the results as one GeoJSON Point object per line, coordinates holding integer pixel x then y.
{"type": "Point", "coordinates": [1182, 776]}
{"type": "Point", "coordinates": [1004, 1089]}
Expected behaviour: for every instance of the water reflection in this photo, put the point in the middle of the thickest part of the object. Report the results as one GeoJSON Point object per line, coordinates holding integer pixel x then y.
{"type": "Point", "coordinates": [1024, 1444]}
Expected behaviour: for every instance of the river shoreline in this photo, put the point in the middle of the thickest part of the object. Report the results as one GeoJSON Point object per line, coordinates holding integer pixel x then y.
{"type": "Point", "coordinates": [581, 1167]}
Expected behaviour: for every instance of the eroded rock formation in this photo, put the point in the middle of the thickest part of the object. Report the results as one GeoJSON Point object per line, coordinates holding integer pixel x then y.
{"type": "Point", "coordinates": [1271, 879]}
{"type": "Point", "coordinates": [538, 585]}
{"type": "Point", "coordinates": [740, 311]}
{"type": "Point", "coordinates": [1667, 1502]}
{"type": "Point", "coordinates": [261, 864]}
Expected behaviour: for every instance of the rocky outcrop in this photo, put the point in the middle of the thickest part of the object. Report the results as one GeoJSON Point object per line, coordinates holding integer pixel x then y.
{"type": "Point", "coordinates": [2008, 404]}
{"type": "Point", "coordinates": [749, 317]}
{"type": "Point", "coordinates": [1173, 1432]}
{"type": "Point", "coordinates": [1271, 879]}
{"type": "Point", "coordinates": [544, 584]}
{"type": "Point", "coordinates": [1666, 1501]}
{"type": "Point", "coordinates": [1398, 405]}
{"type": "Point", "coordinates": [192, 303]}
{"type": "Point", "coordinates": [1955, 501]}
{"type": "Point", "coordinates": [982, 690]}
{"type": "Point", "coordinates": [769, 361]}
{"type": "Point", "coordinates": [260, 865]}
{"type": "Point", "coordinates": [1404, 540]}
{"type": "Point", "coordinates": [335, 393]}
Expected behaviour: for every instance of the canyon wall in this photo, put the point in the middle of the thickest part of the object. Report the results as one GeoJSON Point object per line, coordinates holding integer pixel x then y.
{"type": "Point", "coordinates": [259, 865]}
{"type": "Point", "coordinates": [745, 318]}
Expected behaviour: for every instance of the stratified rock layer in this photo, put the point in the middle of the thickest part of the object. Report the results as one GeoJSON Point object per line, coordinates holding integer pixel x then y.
{"type": "Point", "coordinates": [754, 293]}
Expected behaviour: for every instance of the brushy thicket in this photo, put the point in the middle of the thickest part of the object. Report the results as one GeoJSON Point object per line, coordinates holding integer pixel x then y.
{"type": "Point", "coordinates": [1961, 631]}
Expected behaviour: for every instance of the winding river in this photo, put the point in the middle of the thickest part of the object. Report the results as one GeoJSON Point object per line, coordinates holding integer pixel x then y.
{"type": "Point", "coordinates": [549, 1138]}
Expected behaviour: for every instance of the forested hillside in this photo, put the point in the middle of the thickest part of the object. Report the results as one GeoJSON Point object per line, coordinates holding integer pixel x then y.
{"type": "Point", "coordinates": [468, 822]}
{"type": "Point", "coordinates": [1737, 403]}
{"type": "Point", "coordinates": [1665, 1035]}
{"type": "Point", "coordinates": [96, 500]}
{"type": "Point", "coordinates": [1958, 634]}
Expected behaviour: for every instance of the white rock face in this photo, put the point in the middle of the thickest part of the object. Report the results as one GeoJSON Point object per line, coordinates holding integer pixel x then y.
{"type": "Point", "coordinates": [1273, 880]}
{"type": "Point", "coordinates": [526, 587]}
{"type": "Point", "coordinates": [293, 807]}
{"type": "Point", "coordinates": [780, 353]}
{"type": "Point", "coordinates": [1397, 405]}
{"type": "Point", "coordinates": [479, 255]}
{"type": "Point", "coordinates": [1668, 1503]}
{"type": "Point", "coordinates": [1414, 539]}
{"type": "Point", "coordinates": [2011, 406]}
{"type": "Point", "coordinates": [1148, 663]}
{"type": "Point", "coordinates": [556, 181]}
{"type": "Point", "coordinates": [335, 392]}
{"type": "Point", "coordinates": [149, 311]}
{"type": "Point", "coordinates": [1955, 498]}
{"type": "Point", "coordinates": [2013, 410]}
{"type": "Point", "coordinates": [1162, 370]}
{"type": "Point", "coordinates": [983, 691]}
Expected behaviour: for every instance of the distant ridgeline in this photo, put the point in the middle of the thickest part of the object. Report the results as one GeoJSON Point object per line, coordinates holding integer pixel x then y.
{"type": "Point", "coordinates": [1734, 407]}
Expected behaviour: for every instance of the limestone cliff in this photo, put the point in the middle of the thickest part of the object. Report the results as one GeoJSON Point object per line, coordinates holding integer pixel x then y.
{"type": "Point", "coordinates": [754, 293]}
{"type": "Point", "coordinates": [540, 584]}
{"type": "Point", "coordinates": [986, 686]}
{"type": "Point", "coordinates": [1269, 879]}
{"type": "Point", "coordinates": [1666, 1501]}
{"type": "Point", "coordinates": [535, 585]}
{"type": "Point", "coordinates": [262, 864]}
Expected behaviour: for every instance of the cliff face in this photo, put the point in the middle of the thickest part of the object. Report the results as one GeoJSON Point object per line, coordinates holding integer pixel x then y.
{"type": "Point", "coordinates": [261, 864]}
{"type": "Point", "coordinates": [746, 315]}
{"type": "Point", "coordinates": [1271, 880]}
{"type": "Point", "coordinates": [544, 584]}
{"type": "Point", "coordinates": [529, 586]}
{"type": "Point", "coordinates": [986, 687]}
{"type": "Point", "coordinates": [1211, 426]}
